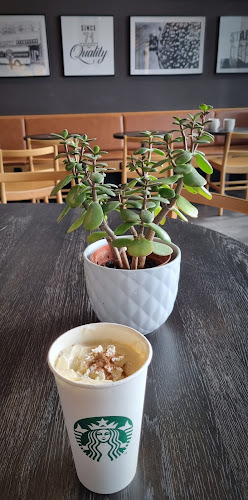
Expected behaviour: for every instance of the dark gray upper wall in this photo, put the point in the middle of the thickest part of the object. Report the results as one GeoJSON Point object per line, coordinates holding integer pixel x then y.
{"type": "Point", "coordinates": [122, 92]}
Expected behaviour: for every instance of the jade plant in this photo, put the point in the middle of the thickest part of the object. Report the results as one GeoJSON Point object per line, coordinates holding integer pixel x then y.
{"type": "Point", "coordinates": [145, 201]}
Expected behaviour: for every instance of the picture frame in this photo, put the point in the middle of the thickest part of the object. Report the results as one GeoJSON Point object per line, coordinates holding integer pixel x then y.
{"type": "Point", "coordinates": [232, 55]}
{"type": "Point", "coordinates": [23, 46]}
{"type": "Point", "coordinates": [88, 45]}
{"type": "Point", "coordinates": [166, 45]}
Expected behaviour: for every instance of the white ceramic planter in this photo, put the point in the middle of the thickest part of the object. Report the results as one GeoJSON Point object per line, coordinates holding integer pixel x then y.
{"type": "Point", "coordinates": [142, 299]}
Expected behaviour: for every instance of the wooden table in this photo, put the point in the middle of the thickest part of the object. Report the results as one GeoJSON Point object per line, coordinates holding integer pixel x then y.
{"type": "Point", "coordinates": [135, 133]}
{"type": "Point", "coordinates": [195, 431]}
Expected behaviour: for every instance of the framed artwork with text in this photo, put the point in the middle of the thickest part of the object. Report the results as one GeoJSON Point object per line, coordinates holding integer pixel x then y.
{"type": "Point", "coordinates": [233, 45]}
{"type": "Point", "coordinates": [23, 46]}
{"type": "Point", "coordinates": [88, 45]}
{"type": "Point", "coordinates": [166, 45]}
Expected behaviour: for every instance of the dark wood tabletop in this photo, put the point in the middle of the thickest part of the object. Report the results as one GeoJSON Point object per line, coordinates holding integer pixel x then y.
{"type": "Point", "coordinates": [41, 137]}
{"type": "Point", "coordinates": [195, 427]}
{"type": "Point", "coordinates": [135, 133]}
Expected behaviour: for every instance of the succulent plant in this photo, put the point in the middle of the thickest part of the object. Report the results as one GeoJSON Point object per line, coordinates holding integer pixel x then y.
{"type": "Point", "coordinates": [144, 202]}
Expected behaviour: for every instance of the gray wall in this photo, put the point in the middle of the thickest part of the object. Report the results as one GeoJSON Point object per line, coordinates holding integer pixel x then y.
{"type": "Point", "coordinates": [122, 92]}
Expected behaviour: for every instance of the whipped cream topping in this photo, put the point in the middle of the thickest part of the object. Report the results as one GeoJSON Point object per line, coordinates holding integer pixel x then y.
{"type": "Point", "coordinates": [91, 363]}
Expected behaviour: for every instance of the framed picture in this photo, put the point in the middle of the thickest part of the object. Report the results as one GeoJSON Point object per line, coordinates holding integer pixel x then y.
{"type": "Point", "coordinates": [88, 45]}
{"type": "Point", "coordinates": [233, 45]}
{"type": "Point", "coordinates": [23, 46]}
{"type": "Point", "coordinates": [166, 45]}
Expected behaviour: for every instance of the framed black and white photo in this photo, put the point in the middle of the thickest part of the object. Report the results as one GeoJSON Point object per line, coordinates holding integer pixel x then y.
{"type": "Point", "coordinates": [23, 46]}
{"type": "Point", "coordinates": [88, 45]}
{"type": "Point", "coordinates": [166, 45]}
{"type": "Point", "coordinates": [233, 45]}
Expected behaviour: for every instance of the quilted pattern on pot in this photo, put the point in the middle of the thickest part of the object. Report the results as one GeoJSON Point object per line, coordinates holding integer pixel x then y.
{"type": "Point", "coordinates": [141, 299]}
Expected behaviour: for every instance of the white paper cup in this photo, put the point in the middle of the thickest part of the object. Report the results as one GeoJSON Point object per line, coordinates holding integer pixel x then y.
{"type": "Point", "coordinates": [214, 124]}
{"type": "Point", "coordinates": [103, 421]}
{"type": "Point", "coordinates": [229, 124]}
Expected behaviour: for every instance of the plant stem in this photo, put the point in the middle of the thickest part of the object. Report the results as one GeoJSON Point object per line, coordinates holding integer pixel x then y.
{"type": "Point", "coordinates": [121, 259]}
{"type": "Point", "coordinates": [135, 261]}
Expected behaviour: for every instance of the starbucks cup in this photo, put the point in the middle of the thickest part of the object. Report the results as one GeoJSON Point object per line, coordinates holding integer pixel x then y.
{"type": "Point", "coordinates": [103, 420]}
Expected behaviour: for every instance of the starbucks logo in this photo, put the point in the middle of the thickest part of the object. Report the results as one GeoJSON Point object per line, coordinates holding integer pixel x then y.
{"type": "Point", "coordinates": [103, 436]}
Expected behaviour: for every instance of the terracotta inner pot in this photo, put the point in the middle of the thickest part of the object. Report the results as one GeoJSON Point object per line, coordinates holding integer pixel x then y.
{"type": "Point", "coordinates": [104, 254]}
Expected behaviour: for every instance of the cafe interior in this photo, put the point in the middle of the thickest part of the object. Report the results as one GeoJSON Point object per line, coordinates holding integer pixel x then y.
{"type": "Point", "coordinates": [125, 120]}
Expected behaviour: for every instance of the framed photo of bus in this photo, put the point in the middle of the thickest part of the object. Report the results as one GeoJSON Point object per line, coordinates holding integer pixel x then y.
{"type": "Point", "coordinates": [166, 45]}
{"type": "Point", "coordinates": [23, 46]}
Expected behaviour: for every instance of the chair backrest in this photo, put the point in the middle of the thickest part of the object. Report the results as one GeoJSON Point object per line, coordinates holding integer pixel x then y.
{"type": "Point", "coordinates": [29, 154]}
{"type": "Point", "coordinates": [236, 152]}
{"type": "Point", "coordinates": [126, 154]}
{"type": "Point", "coordinates": [219, 201]}
{"type": "Point", "coordinates": [233, 138]}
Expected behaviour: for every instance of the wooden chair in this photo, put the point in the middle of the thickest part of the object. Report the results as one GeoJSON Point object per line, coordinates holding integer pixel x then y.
{"type": "Point", "coordinates": [19, 188]}
{"type": "Point", "coordinates": [234, 161]}
{"type": "Point", "coordinates": [127, 151]}
{"type": "Point", "coordinates": [35, 143]}
{"type": "Point", "coordinates": [219, 201]}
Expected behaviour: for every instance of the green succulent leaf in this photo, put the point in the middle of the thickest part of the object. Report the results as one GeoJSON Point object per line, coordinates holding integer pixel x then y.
{"type": "Point", "coordinates": [160, 232]}
{"type": "Point", "coordinates": [155, 202]}
{"type": "Point", "coordinates": [203, 163]}
{"type": "Point", "coordinates": [139, 247]}
{"type": "Point", "coordinates": [60, 155]}
{"type": "Point", "coordinates": [167, 192]}
{"type": "Point", "coordinates": [158, 152]}
{"type": "Point", "coordinates": [204, 107]}
{"type": "Point", "coordinates": [106, 190]}
{"type": "Point", "coordinates": [99, 235]}
{"type": "Point", "coordinates": [146, 133]}
{"type": "Point", "coordinates": [123, 228]}
{"type": "Point", "coordinates": [146, 216]}
{"type": "Point", "coordinates": [132, 183]}
{"type": "Point", "coordinates": [199, 190]}
{"type": "Point", "coordinates": [194, 179]}
{"type": "Point", "coordinates": [161, 248]}
{"type": "Point", "coordinates": [72, 198]}
{"type": "Point", "coordinates": [109, 206]}
{"type": "Point", "coordinates": [57, 135]}
{"type": "Point", "coordinates": [191, 189]}
{"type": "Point", "coordinates": [63, 213]}
{"type": "Point", "coordinates": [160, 199]}
{"type": "Point", "coordinates": [165, 180]}
{"type": "Point", "coordinates": [62, 184]}
{"type": "Point", "coordinates": [69, 165]}
{"type": "Point", "coordinates": [141, 151]}
{"type": "Point", "coordinates": [65, 133]}
{"type": "Point", "coordinates": [129, 216]}
{"type": "Point", "coordinates": [121, 242]}
{"type": "Point", "coordinates": [204, 192]}
{"type": "Point", "coordinates": [183, 169]}
{"type": "Point", "coordinates": [134, 204]}
{"type": "Point", "coordinates": [186, 207]}
{"type": "Point", "coordinates": [93, 217]}
{"type": "Point", "coordinates": [183, 158]}
{"type": "Point", "coordinates": [96, 149]}
{"type": "Point", "coordinates": [206, 135]}
{"type": "Point", "coordinates": [167, 137]}
{"type": "Point", "coordinates": [97, 177]}
{"type": "Point", "coordinates": [151, 204]}
{"type": "Point", "coordinates": [182, 216]}
{"type": "Point", "coordinates": [172, 179]}
{"type": "Point", "coordinates": [77, 223]}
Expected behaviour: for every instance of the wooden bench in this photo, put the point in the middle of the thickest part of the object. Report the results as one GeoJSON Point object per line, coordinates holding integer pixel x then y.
{"type": "Point", "coordinates": [13, 129]}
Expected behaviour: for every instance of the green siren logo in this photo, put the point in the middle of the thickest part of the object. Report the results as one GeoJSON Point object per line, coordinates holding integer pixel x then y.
{"type": "Point", "coordinates": [103, 436]}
